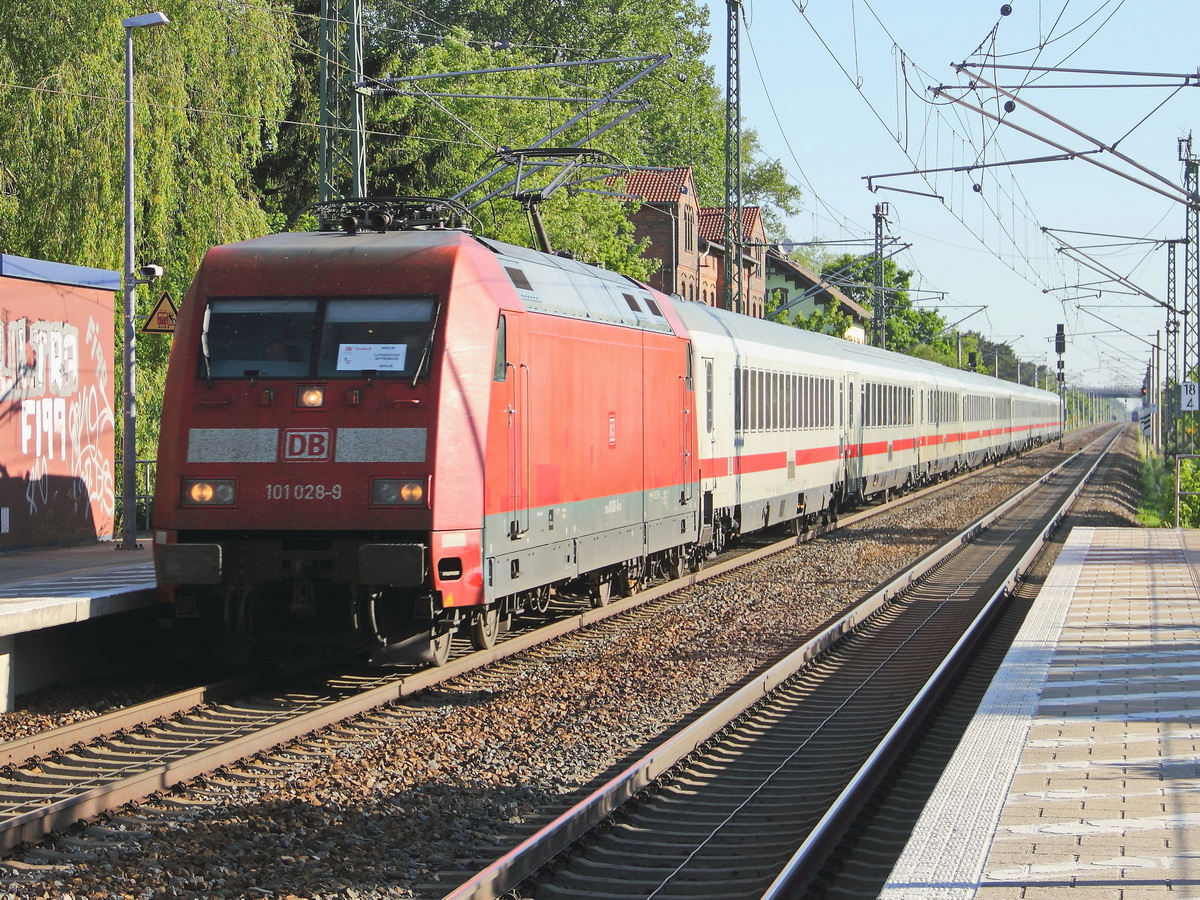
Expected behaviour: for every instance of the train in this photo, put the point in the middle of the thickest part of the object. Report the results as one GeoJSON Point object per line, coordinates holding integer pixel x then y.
{"type": "Point", "coordinates": [383, 434]}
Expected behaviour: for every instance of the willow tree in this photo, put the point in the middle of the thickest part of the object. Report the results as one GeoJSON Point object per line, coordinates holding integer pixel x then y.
{"type": "Point", "coordinates": [209, 93]}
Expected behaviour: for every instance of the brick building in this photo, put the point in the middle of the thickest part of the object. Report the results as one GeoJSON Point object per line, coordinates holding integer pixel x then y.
{"type": "Point", "coordinates": [688, 239]}
{"type": "Point", "coordinates": [754, 252]}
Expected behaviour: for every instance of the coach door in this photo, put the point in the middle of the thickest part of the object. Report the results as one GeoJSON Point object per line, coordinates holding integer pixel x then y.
{"type": "Point", "coordinates": [854, 432]}
{"type": "Point", "coordinates": [708, 434]}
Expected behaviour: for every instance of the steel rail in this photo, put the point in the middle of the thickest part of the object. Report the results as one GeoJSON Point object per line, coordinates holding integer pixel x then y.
{"type": "Point", "coordinates": [527, 858]}
{"type": "Point", "coordinates": [802, 867]}
{"type": "Point", "coordinates": [168, 768]}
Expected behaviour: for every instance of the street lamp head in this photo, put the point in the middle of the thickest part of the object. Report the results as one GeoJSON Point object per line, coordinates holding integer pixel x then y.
{"type": "Point", "coordinates": [146, 20]}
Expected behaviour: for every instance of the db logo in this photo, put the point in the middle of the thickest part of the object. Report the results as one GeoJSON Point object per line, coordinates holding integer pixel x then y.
{"type": "Point", "coordinates": [307, 446]}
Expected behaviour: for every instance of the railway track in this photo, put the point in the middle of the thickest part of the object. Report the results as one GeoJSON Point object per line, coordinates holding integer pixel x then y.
{"type": "Point", "coordinates": [752, 799]}
{"type": "Point", "coordinates": [53, 780]}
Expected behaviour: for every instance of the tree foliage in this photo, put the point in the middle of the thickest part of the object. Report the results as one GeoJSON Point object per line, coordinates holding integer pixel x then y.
{"type": "Point", "coordinates": [765, 184]}
{"type": "Point", "coordinates": [826, 320]}
{"type": "Point", "coordinates": [207, 98]}
{"type": "Point", "coordinates": [430, 137]}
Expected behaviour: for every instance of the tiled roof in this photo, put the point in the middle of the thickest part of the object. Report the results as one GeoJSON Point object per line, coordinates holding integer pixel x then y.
{"type": "Point", "coordinates": [712, 222]}
{"type": "Point", "coordinates": [656, 186]}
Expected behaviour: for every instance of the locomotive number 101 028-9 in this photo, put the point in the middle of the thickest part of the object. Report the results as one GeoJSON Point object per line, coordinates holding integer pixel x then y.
{"type": "Point", "coordinates": [304, 492]}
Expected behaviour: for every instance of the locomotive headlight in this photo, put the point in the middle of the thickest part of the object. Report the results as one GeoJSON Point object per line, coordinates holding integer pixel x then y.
{"type": "Point", "coordinates": [209, 492]}
{"type": "Point", "coordinates": [398, 492]}
{"type": "Point", "coordinates": [310, 396]}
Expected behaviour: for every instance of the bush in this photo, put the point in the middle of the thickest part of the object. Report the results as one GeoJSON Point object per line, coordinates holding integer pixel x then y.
{"type": "Point", "coordinates": [1157, 506]}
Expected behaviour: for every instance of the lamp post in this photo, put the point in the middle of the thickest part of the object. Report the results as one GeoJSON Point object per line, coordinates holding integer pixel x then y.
{"type": "Point", "coordinates": [131, 281]}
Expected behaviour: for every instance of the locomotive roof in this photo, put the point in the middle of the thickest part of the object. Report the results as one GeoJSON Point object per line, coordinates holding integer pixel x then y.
{"type": "Point", "coordinates": [560, 286]}
{"type": "Point", "coordinates": [546, 283]}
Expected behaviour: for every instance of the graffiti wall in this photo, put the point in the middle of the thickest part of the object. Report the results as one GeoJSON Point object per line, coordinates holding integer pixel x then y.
{"type": "Point", "coordinates": [57, 405]}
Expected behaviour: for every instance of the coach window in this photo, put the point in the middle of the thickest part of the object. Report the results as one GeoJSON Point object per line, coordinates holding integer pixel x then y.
{"type": "Point", "coordinates": [739, 398]}
{"type": "Point", "coordinates": [747, 400]}
{"type": "Point", "coordinates": [760, 399]}
{"type": "Point", "coordinates": [500, 366]}
{"type": "Point", "coordinates": [744, 394]}
{"type": "Point", "coordinates": [780, 405]}
{"type": "Point", "coordinates": [777, 407]}
{"type": "Point", "coordinates": [772, 399]}
{"type": "Point", "coordinates": [773, 380]}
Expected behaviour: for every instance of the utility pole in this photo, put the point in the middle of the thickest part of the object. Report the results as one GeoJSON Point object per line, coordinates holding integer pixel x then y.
{"type": "Point", "coordinates": [1157, 420]}
{"type": "Point", "coordinates": [879, 301]}
{"type": "Point", "coordinates": [734, 237]}
{"type": "Point", "coordinates": [343, 148]}
{"type": "Point", "coordinates": [1060, 347]}
{"type": "Point", "coordinates": [1191, 280]}
{"type": "Point", "coordinates": [1172, 368]}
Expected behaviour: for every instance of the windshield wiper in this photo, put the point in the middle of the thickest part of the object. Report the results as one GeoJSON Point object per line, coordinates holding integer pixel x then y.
{"type": "Point", "coordinates": [204, 348]}
{"type": "Point", "coordinates": [437, 311]}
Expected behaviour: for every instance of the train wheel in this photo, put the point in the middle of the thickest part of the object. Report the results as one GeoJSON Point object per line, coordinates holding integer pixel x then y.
{"type": "Point", "coordinates": [539, 601]}
{"type": "Point", "coordinates": [601, 590]}
{"type": "Point", "coordinates": [630, 578]}
{"type": "Point", "coordinates": [439, 646]}
{"type": "Point", "coordinates": [674, 565]}
{"type": "Point", "coordinates": [485, 628]}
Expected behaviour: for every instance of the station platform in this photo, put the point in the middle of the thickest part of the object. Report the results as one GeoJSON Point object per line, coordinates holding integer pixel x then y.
{"type": "Point", "coordinates": [1079, 776]}
{"type": "Point", "coordinates": [43, 589]}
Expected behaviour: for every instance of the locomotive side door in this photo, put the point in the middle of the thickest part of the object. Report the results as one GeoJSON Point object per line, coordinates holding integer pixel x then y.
{"type": "Point", "coordinates": [688, 421]}
{"type": "Point", "coordinates": [516, 377]}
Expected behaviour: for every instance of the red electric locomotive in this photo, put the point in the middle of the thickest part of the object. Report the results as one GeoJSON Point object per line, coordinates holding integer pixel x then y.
{"type": "Point", "coordinates": [376, 435]}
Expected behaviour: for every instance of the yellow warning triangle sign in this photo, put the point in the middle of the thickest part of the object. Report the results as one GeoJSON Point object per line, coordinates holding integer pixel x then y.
{"type": "Point", "coordinates": [162, 318]}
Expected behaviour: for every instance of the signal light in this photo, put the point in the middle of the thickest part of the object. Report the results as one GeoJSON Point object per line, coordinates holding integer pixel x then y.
{"type": "Point", "coordinates": [209, 492]}
{"type": "Point", "coordinates": [310, 396]}
{"type": "Point", "coordinates": [1060, 341]}
{"type": "Point", "coordinates": [398, 492]}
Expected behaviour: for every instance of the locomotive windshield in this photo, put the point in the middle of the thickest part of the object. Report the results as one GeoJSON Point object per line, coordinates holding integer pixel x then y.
{"type": "Point", "coordinates": [305, 337]}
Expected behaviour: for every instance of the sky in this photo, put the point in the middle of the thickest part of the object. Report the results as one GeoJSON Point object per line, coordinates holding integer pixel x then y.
{"type": "Point", "coordinates": [839, 89]}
